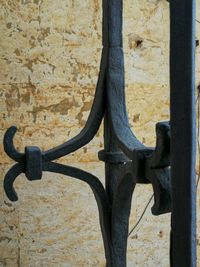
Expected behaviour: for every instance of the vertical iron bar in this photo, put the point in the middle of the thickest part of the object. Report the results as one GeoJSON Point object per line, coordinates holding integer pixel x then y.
{"type": "Point", "coordinates": [182, 82]}
{"type": "Point", "coordinates": [115, 20]}
{"type": "Point", "coordinates": [111, 169]}
{"type": "Point", "coordinates": [112, 35]}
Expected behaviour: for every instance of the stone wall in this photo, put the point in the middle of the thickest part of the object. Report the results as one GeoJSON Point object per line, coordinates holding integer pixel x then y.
{"type": "Point", "coordinates": [49, 62]}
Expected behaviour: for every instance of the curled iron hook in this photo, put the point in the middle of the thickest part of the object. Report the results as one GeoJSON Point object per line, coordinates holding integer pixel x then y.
{"type": "Point", "coordinates": [9, 179]}
{"type": "Point", "coordinates": [15, 170]}
{"type": "Point", "coordinates": [9, 146]}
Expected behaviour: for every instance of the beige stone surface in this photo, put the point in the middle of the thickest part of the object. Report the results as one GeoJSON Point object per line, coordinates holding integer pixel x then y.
{"type": "Point", "coordinates": [49, 62]}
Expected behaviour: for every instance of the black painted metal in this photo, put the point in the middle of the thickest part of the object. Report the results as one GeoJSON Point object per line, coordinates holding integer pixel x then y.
{"type": "Point", "coordinates": [182, 69]}
{"type": "Point", "coordinates": [127, 160]}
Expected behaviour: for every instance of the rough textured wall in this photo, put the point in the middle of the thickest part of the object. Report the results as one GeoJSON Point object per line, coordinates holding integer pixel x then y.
{"type": "Point", "coordinates": [49, 59]}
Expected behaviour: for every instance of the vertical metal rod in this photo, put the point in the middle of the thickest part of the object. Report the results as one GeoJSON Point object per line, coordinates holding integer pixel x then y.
{"type": "Point", "coordinates": [113, 170]}
{"type": "Point", "coordinates": [182, 82]}
{"type": "Point", "coordinates": [112, 35]}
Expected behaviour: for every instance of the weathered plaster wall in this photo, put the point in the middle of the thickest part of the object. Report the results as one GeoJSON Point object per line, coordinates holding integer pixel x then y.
{"type": "Point", "coordinates": [49, 59]}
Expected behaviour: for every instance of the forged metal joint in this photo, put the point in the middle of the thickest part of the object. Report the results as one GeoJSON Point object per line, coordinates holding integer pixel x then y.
{"type": "Point", "coordinates": [29, 163]}
{"type": "Point", "coordinates": [158, 172]}
{"type": "Point", "coordinates": [161, 182]}
{"type": "Point", "coordinates": [112, 157]}
{"type": "Point", "coordinates": [161, 155]}
{"type": "Point", "coordinates": [139, 164]}
{"type": "Point", "coordinates": [33, 163]}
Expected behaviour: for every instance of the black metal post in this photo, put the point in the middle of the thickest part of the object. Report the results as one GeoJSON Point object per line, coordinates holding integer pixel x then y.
{"type": "Point", "coordinates": [182, 69]}
{"type": "Point", "coordinates": [127, 160]}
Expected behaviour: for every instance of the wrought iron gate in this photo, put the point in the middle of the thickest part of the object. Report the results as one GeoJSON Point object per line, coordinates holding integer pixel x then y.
{"type": "Point", "coordinates": [127, 160]}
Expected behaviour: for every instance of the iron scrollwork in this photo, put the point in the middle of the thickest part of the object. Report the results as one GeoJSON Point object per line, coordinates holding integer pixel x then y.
{"type": "Point", "coordinates": [127, 160]}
